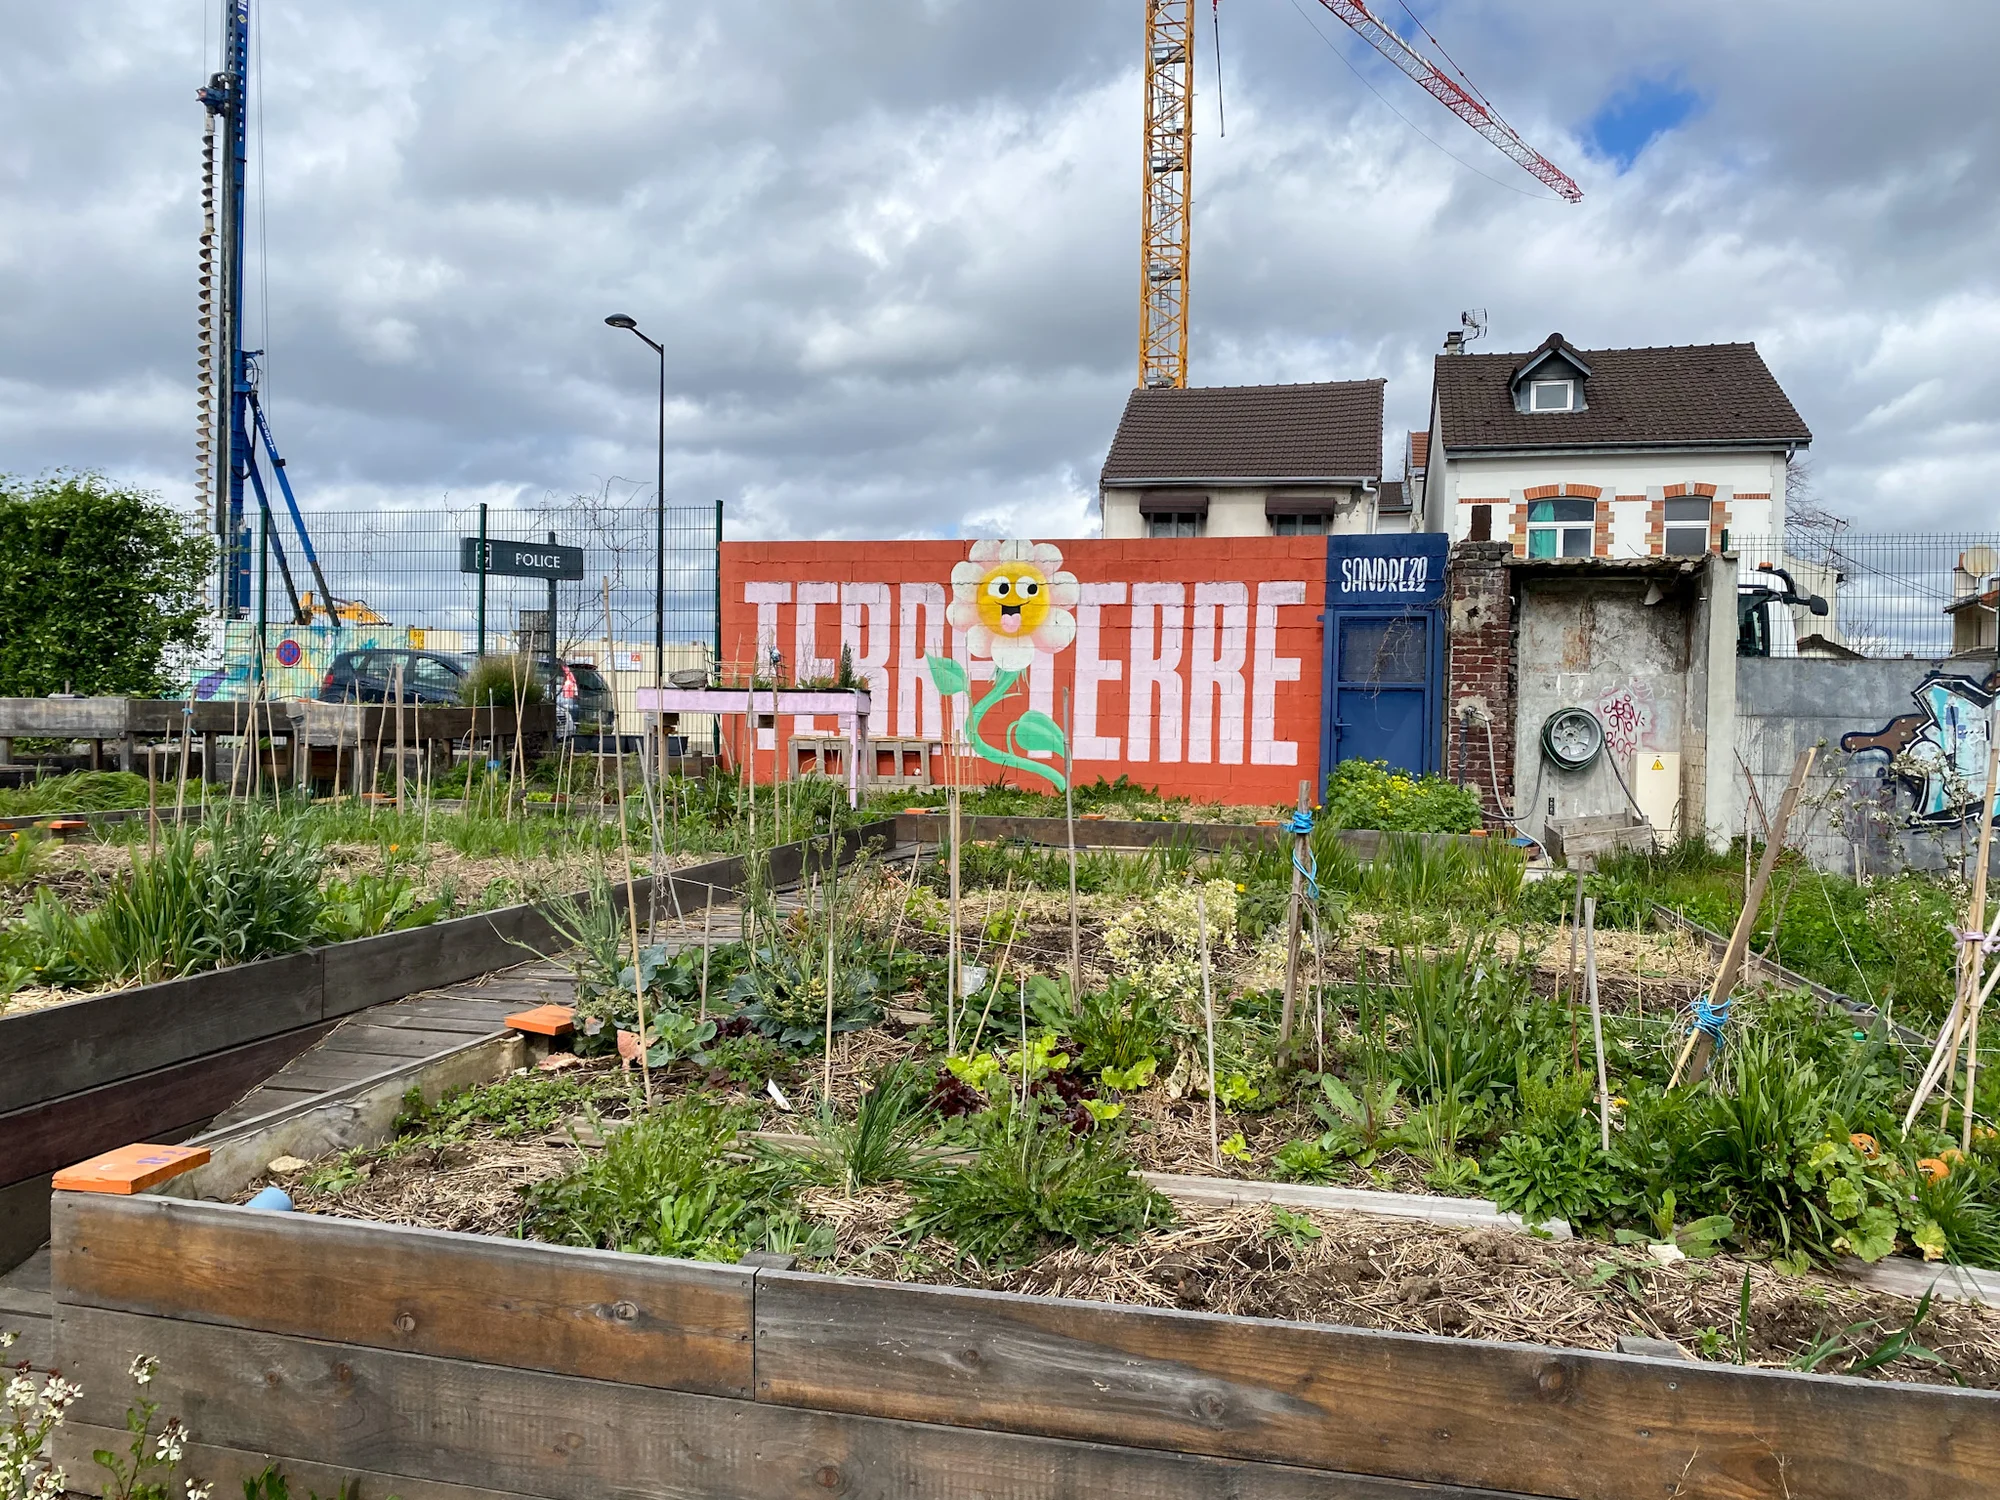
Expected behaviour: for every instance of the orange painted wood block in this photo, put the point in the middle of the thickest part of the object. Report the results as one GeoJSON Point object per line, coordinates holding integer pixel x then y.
{"type": "Point", "coordinates": [544, 1020]}
{"type": "Point", "coordinates": [130, 1169]}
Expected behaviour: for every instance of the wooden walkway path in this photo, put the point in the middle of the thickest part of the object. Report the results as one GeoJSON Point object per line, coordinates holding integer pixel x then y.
{"type": "Point", "coordinates": [384, 1039]}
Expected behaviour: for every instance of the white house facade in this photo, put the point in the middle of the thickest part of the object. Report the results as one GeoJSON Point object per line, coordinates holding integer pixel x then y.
{"type": "Point", "coordinates": [1567, 452]}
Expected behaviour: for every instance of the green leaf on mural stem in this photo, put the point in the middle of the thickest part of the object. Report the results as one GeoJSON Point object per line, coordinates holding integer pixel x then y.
{"type": "Point", "coordinates": [947, 676]}
{"type": "Point", "coordinates": [1035, 730]}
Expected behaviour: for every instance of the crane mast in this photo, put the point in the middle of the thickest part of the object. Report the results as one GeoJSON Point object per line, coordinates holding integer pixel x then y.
{"type": "Point", "coordinates": [1163, 238]}
{"type": "Point", "coordinates": [222, 446]}
{"type": "Point", "coordinates": [1169, 152]}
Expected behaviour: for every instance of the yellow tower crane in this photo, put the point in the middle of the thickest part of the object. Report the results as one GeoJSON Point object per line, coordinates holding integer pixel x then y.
{"type": "Point", "coordinates": [1163, 233]}
{"type": "Point", "coordinates": [1169, 142]}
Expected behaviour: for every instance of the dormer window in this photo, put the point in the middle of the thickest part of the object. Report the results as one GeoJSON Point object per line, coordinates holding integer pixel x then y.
{"type": "Point", "coordinates": [1550, 379]}
{"type": "Point", "coordinates": [1552, 395]}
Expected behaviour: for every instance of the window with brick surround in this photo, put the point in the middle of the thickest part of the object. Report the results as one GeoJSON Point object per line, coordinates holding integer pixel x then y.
{"type": "Point", "coordinates": [1561, 528]}
{"type": "Point", "coordinates": [1687, 527]}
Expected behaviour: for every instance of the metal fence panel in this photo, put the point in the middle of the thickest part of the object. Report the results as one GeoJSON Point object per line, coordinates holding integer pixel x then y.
{"type": "Point", "coordinates": [396, 581]}
{"type": "Point", "coordinates": [1888, 595]}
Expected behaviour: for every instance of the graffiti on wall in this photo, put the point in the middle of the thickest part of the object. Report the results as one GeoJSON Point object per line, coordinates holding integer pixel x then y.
{"type": "Point", "coordinates": [1938, 753]}
{"type": "Point", "coordinates": [1627, 714]}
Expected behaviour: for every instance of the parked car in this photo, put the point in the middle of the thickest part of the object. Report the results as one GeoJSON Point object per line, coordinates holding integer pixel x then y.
{"type": "Point", "coordinates": [369, 676]}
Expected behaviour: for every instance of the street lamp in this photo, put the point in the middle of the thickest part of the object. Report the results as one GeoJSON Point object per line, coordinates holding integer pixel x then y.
{"type": "Point", "coordinates": [625, 321]}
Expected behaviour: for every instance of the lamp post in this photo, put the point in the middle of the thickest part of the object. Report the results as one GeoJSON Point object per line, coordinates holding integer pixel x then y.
{"type": "Point", "coordinates": [622, 320]}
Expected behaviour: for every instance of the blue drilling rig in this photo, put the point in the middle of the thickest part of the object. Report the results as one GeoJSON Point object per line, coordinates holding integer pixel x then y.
{"type": "Point", "coordinates": [232, 426]}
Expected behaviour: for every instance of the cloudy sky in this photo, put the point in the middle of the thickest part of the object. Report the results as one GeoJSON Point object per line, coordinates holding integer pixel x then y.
{"type": "Point", "coordinates": [892, 246]}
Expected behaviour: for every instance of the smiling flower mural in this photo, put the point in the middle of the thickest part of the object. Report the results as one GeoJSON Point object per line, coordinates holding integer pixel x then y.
{"type": "Point", "coordinates": [1012, 599]}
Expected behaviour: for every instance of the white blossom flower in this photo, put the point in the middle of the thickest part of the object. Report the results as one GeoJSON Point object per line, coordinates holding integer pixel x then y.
{"type": "Point", "coordinates": [168, 1449]}
{"type": "Point", "coordinates": [59, 1394]}
{"type": "Point", "coordinates": [198, 1491]}
{"type": "Point", "coordinates": [1012, 599]}
{"type": "Point", "coordinates": [21, 1392]}
{"type": "Point", "coordinates": [143, 1368]}
{"type": "Point", "coordinates": [7, 1337]}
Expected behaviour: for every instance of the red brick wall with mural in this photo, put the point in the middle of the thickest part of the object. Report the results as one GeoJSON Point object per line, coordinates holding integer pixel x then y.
{"type": "Point", "coordinates": [1190, 667]}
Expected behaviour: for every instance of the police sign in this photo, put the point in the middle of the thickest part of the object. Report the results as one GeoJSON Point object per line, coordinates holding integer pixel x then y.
{"type": "Point", "coordinates": [522, 559]}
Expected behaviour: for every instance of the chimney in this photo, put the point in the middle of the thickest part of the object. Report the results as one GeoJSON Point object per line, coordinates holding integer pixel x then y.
{"type": "Point", "coordinates": [1454, 342]}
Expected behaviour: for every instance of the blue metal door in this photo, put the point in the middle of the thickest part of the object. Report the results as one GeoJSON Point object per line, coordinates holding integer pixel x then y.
{"type": "Point", "coordinates": [1382, 691]}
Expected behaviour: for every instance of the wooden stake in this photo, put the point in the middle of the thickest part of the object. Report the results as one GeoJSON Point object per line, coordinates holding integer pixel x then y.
{"type": "Point", "coordinates": [152, 805]}
{"type": "Point", "coordinates": [1694, 1056]}
{"type": "Point", "coordinates": [625, 843]}
{"type": "Point", "coordinates": [1208, 1016]}
{"type": "Point", "coordinates": [826, 1082]}
{"type": "Point", "coordinates": [1319, 997]}
{"type": "Point", "coordinates": [1596, 1018]}
{"type": "Point", "coordinates": [1300, 843]}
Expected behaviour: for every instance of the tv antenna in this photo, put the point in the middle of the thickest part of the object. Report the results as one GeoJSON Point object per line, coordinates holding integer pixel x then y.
{"type": "Point", "coordinates": [1474, 321]}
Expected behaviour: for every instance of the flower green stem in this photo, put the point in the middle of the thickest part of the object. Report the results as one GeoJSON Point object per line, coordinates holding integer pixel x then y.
{"type": "Point", "coordinates": [1002, 685]}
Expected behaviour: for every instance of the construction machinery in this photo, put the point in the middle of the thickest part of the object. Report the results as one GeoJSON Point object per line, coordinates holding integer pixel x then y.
{"type": "Point", "coordinates": [1169, 155]}
{"type": "Point", "coordinates": [231, 426]}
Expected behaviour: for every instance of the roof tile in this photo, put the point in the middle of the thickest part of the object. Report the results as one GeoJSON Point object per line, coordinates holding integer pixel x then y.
{"type": "Point", "coordinates": [1681, 394]}
{"type": "Point", "coordinates": [1326, 430]}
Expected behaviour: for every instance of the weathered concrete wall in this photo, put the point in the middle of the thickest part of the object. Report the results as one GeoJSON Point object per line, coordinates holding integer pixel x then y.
{"type": "Point", "coordinates": [1591, 640]}
{"type": "Point", "coordinates": [1902, 755]}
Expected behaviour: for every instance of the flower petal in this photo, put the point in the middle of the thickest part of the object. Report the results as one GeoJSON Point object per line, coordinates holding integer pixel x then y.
{"type": "Point", "coordinates": [965, 578]}
{"type": "Point", "coordinates": [1012, 654]}
{"type": "Point", "coordinates": [1055, 632]}
{"type": "Point", "coordinates": [1064, 591]}
{"type": "Point", "coordinates": [963, 613]}
{"type": "Point", "coordinates": [1046, 556]}
{"type": "Point", "coordinates": [985, 552]}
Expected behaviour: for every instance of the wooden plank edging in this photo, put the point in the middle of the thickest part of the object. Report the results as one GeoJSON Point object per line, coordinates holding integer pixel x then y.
{"type": "Point", "coordinates": [307, 1297]}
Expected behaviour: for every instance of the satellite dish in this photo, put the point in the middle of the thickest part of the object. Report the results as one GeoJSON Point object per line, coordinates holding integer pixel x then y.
{"type": "Point", "coordinates": [1980, 562]}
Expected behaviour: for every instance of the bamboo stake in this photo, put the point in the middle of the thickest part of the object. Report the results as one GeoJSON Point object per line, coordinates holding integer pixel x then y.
{"type": "Point", "coordinates": [826, 1082]}
{"type": "Point", "coordinates": [1300, 842]}
{"type": "Point", "coordinates": [954, 961]}
{"type": "Point", "coordinates": [187, 736]}
{"type": "Point", "coordinates": [707, 916]}
{"type": "Point", "coordinates": [1023, 1054]}
{"type": "Point", "coordinates": [1575, 932]}
{"type": "Point", "coordinates": [399, 741]}
{"type": "Point", "coordinates": [1208, 1016]}
{"type": "Point", "coordinates": [1596, 1018]}
{"type": "Point", "coordinates": [152, 806]}
{"type": "Point", "coordinates": [631, 898]}
{"type": "Point", "coordinates": [1694, 1056]}
{"type": "Point", "coordinates": [1319, 997]}
{"type": "Point", "coordinates": [1069, 817]}
{"type": "Point", "coordinates": [1971, 951]}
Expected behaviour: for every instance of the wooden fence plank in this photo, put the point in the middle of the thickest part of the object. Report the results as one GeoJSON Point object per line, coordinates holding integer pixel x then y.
{"type": "Point", "coordinates": [1554, 1422]}
{"type": "Point", "coordinates": [60, 1132]}
{"type": "Point", "coordinates": [45, 1054]}
{"type": "Point", "coordinates": [636, 1319]}
{"type": "Point", "coordinates": [227, 1469]}
{"type": "Point", "coordinates": [560, 1438]}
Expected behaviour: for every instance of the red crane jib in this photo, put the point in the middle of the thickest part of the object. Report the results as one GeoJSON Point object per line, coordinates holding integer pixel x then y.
{"type": "Point", "coordinates": [1448, 92]}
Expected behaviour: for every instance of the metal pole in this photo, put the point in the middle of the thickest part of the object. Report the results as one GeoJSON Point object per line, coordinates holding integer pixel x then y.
{"type": "Point", "coordinates": [660, 537]}
{"type": "Point", "coordinates": [482, 578]}
{"type": "Point", "coordinates": [263, 582]}
{"type": "Point", "coordinates": [716, 724]}
{"type": "Point", "coordinates": [555, 666]}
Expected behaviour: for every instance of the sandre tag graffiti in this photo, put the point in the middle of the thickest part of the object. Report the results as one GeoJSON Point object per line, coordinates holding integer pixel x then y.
{"type": "Point", "coordinates": [1938, 753]}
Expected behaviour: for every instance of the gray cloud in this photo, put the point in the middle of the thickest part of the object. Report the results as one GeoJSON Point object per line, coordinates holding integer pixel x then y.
{"type": "Point", "coordinates": [891, 247]}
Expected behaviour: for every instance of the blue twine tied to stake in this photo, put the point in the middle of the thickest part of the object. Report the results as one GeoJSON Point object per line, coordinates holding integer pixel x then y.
{"type": "Point", "coordinates": [1710, 1019]}
{"type": "Point", "coordinates": [1302, 823]}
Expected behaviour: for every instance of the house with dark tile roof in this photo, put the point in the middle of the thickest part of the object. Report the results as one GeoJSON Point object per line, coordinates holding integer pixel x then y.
{"type": "Point", "coordinates": [1569, 452]}
{"type": "Point", "coordinates": [1252, 460]}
